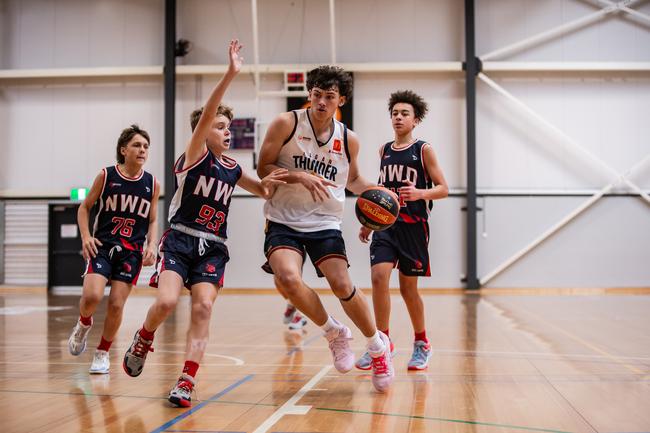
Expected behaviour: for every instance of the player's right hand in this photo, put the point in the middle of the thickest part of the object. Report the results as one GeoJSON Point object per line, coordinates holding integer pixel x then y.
{"type": "Point", "coordinates": [233, 54]}
{"type": "Point", "coordinates": [317, 186]}
{"type": "Point", "coordinates": [89, 247]}
{"type": "Point", "coordinates": [272, 180]}
{"type": "Point", "coordinates": [364, 234]}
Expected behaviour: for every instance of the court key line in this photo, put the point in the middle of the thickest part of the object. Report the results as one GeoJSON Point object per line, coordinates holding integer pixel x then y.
{"type": "Point", "coordinates": [184, 415]}
{"type": "Point", "coordinates": [290, 408]}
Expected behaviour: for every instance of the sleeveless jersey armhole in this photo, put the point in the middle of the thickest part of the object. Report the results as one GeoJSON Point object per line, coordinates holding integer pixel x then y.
{"type": "Point", "coordinates": [424, 165]}
{"type": "Point", "coordinates": [345, 141]}
{"type": "Point", "coordinates": [295, 125]}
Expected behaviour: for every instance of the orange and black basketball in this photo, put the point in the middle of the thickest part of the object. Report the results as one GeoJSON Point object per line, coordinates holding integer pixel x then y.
{"type": "Point", "coordinates": [377, 208]}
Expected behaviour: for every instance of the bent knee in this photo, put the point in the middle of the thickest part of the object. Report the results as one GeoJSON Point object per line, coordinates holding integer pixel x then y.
{"type": "Point", "coordinates": [290, 282]}
{"type": "Point", "coordinates": [202, 309]}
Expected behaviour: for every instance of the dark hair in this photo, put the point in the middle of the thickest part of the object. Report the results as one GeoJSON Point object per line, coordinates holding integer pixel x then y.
{"type": "Point", "coordinates": [196, 114]}
{"type": "Point", "coordinates": [420, 107]}
{"type": "Point", "coordinates": [126, 136]}
{"type": "Point", "coordinates": [326, 77]}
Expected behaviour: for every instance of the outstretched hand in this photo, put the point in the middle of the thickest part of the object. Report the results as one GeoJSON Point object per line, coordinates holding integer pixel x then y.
{"type": "Point", "coordinates": [272, 180]}
{"type": "Point", "coordinates": [233, 54]}
{"type": "Point", "coordinates": [317, 186]}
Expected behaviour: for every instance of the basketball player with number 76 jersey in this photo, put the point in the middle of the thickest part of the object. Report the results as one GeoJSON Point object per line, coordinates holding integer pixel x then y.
{"type": "Point", "coordinates": [126, 199]}
{"type": "Point", "coordinates": [193, 252]}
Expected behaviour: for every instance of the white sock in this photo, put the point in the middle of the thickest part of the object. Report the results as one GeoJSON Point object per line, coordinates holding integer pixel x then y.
{"type": "Point", "coordinates": [375, 344]}
{"type": "Point", "coordinates": [330, 324]}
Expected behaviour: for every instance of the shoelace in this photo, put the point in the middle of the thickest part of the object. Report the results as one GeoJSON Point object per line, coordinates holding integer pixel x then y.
{"type": "Point", "coordinates": [186, 386]}
{"type": "Point", "coordinates": [79, 331]}
{"type": "Point", "coordinates": [379, 365]}
{"type": "Point", "coordinates": [338, 346]}
{"type": "Point", "coordinates": [419, 354]}
{"type": "Point", "coordinates": [190, 389]}
{"type": "Point", "coordinates": [142, 348]}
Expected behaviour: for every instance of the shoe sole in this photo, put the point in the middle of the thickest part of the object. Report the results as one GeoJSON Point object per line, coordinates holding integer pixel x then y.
{"type": "Point", "coordinates": [178, 402]}
{"type": "Point", "coordinates": [362, 368]}
{"type": "Point", "coordinates": [83, 349]}
{"type": "Point", "coordinates": [414, 368]}
{"type": "Point", "coordinates": [99, 371]}
{"type": "Point", "coordinates": [127, 371]}
{"type": "Point", "coordinates": [298, 327]}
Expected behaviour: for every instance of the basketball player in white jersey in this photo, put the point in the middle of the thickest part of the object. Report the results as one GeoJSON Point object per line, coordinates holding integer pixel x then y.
{"type": "Point", "coordinates": [304, 215]}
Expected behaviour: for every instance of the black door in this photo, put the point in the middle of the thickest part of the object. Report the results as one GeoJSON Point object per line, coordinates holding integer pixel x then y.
{"type": "Point", "coordinates": [65, 262]}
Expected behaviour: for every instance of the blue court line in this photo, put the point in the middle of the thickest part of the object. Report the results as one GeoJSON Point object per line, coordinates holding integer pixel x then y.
{"type": "Point", "coordinates": [184, 415]}
{"type": "Point", "coordinates": [306, 343]}
{"type": "Point", "coordinates": [206, 431]}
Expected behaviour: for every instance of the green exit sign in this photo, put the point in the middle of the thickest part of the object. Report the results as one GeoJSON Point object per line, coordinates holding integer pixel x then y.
{"type": "Point", "coordinates": [78, 193]}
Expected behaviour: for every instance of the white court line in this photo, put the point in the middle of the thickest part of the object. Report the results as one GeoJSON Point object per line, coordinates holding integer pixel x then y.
{"type": "Point", "coordinates": [290, 408]}
{"type": "Point", "coordinates": [237, 361]}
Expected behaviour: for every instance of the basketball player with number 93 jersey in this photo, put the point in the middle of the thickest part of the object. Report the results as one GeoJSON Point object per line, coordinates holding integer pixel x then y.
{"type": "Point", "coordinates": [193, 252]}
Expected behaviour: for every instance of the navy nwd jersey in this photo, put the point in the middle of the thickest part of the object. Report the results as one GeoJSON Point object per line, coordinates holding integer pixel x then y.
{"type": "Point", "coordinates": [203, 190]}
{"type": "Point", "coordinates": [123, 209]}
{"type": "Point", "coordinates": [399, 166]}
{"type": "Point", "coordinates": [292, 204]}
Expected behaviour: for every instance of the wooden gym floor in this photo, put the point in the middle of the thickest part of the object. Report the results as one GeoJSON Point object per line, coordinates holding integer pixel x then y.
{"type": "Point", "coordinates": [502, 363]}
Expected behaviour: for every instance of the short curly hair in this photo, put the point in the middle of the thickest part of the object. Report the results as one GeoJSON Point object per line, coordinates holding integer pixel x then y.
{"type": "Point", "coordinates": [420, 107]}
{"type": "Point", "coordinates": [196, 115]}
{"type": "Point", "coordinates": [326, 77]}
{"type": "Point", "coordinates": [125, 136]}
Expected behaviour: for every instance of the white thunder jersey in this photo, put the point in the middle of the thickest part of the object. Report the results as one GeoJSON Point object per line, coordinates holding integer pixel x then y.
{"type": "Point", "coordinates": [292, 204]}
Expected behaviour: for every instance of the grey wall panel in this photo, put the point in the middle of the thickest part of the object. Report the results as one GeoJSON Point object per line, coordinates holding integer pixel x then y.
{"type": "Point", "coordinates": [616, 38]}
{"type": "Point", "coordinates": [605, 115]}
{"type": "Point", "coordinates": [77, 33]}
{"type": "Point", "coordinates": [607, 246]}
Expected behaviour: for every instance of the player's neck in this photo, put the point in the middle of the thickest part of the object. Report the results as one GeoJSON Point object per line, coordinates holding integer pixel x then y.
{"type": "Point", "coordinates": [320, 126]}
{"type": "Point", "coordinates": [403, 140]}
{"type": "Point", "coordinates": [216, 152]}
{"type": "Point", "coordinates": [131, 170]}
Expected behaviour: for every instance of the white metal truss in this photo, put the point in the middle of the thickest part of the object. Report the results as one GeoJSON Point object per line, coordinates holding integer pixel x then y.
{"type": "Point", "coordinates": [616, 178]}
{"type": "Point", "coordinates": [609, 8]}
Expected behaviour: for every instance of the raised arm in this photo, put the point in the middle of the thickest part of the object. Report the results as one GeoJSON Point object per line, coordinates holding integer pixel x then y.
{"type": "Point", "coordinates": [196, 147]}
{"type": "Point", "coordinates": [356, 183]}
{"type": "Point", "coordinates": [88, 242]}
{"type": "Point", "coordinates": [263, 188]}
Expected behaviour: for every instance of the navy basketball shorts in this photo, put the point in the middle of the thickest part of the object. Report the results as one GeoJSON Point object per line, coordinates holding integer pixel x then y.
{"type": "Point", "coordinates": [196, 260]}
{"type": "Point", "coordinates": [406, 245]}
{"type": "Point", "coordinates": [319, 245]}
{"type": "Point", "coordinates": [117, 263]}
